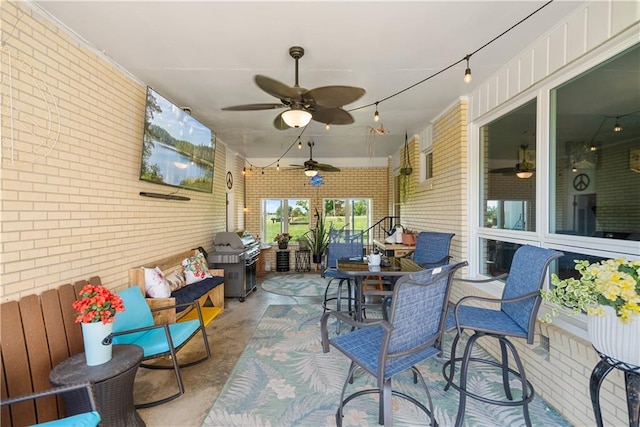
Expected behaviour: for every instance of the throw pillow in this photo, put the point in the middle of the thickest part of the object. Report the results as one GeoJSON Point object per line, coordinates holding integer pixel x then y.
{"type": "Point", "coordinates": [176, 279]}
{"type": "Point", "coordinates": [195, 269]}
{"type": "Point", "coordinates": [155, 283]}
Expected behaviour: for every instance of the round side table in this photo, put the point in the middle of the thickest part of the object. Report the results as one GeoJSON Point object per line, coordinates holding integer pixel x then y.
{"type": "Point", "coordinates": [112, 382]}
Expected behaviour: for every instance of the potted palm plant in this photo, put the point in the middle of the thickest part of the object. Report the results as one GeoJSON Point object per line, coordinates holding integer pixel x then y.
{"type": "Point", "coordinates": [317, 238]}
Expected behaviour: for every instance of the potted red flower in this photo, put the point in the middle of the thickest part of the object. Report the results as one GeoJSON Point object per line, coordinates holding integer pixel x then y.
{"type": "Point", "coordinates": [97, 308]}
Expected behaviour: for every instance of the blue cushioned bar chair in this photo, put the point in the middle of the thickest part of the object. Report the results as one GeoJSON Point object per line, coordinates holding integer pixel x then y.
{"type": "Point", "coordinates": [432, 249]}
{"type": "Point", "coordinates": [342, 244]}
{"type": "Point", "coordinates": [385, 348]}
{"type": "Point", "coordinates": [83, 401]}
{"type": "Point", "coordinates": [135, 326]}
{"type": "Point", "coordinates": [516, 318]}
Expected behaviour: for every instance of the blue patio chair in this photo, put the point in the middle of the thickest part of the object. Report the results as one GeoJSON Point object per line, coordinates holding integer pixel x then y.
{"type": "Point", "coordinates": [135, 326]}
{"type": "Point", "coordinates": [386, 348]}
{"type": "Point", "coordinates": [516, 318]}
{"type": "Point", "coordinates": [342, 244]}
{"type": "Point", "coordinates": [83, 398]}
{"type": "Point", "coordinates": [432, 249]}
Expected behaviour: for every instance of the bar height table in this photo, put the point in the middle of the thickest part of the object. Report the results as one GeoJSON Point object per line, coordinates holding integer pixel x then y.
{"type": "Point", "coordinates": [112, 382]}
{"type": "Point", "coordinates": [358, 269]}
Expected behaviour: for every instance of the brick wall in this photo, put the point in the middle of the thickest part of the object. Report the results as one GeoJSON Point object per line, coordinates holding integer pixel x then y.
{"type": "Point", "coordinates": [71, 152]}
{"type": "Point", "coordinates": [440, 203]}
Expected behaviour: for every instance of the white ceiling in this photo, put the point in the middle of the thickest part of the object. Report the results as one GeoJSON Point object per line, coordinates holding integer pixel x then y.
{"type": "Point", "coordinates": [204, 55]}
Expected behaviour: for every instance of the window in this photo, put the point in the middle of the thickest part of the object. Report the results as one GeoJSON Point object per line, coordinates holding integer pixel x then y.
{"type": "Point", "coordinates": [508, 184]}
{"type": "Point", "coordinates": [351, 214]}
{"type": "Point", "coordinates": [595, 137]}
{"type": "Point", "coordinates": [426, 154]}
{"type": "Point", "coordinates": [295, 222]}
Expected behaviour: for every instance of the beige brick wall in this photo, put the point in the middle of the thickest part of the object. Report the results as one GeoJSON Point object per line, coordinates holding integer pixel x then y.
{"type": "Point", "coordinates": [71, 150]}
{"type": "Point", "coordinates": [440, 204]}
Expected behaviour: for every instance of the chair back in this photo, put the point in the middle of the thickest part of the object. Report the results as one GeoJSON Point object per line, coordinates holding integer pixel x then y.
{"type": "Point", "coordinates": [418, 308]}
{"type": "Point", "coordinates": [136, 314]}
{"type": "Point", "coordinates": [343, 244]}
{"type": "Point", "coordinates": [432, 248]}
{"type": "Point", "coordinates": [526, 275]}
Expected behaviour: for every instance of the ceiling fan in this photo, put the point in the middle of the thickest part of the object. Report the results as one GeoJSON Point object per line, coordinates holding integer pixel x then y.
{"type": "Point", "coordinates": [322, 104]}
{"type": "Point", "coordinates": [522, 169]}
{"type": "Point", "coordinates": [311, 167]}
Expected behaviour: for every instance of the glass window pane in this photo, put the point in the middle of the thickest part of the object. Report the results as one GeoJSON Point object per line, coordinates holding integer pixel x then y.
{"type": "Point", "coordinates": [272, 214]}
{"type": "Point", "coordinates": [299, 217]}
{"type": "Point", "coordinates": [508, 184]}
{"type": "Point", "coordinates": [496, 256]}
{"type": "Point", "coordinates": [595, 130]}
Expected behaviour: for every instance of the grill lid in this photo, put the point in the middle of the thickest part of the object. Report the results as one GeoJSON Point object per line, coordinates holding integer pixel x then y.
{"type": "Point", "coordinates": [227, 241]}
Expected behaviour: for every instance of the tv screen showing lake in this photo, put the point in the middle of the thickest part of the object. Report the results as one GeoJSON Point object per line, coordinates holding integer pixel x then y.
{"type": "Point", "coordinates": [177, 149]}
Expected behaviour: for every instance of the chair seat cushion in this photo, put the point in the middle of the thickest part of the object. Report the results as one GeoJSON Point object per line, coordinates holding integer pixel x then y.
{"type": "Point", "coordinates": [485, 320]}
{"type": "Point", "coordinates": [194, 291]}
{"type": "Point", "coordinates": [87, 419]}
{"type": "Point", "coordinates": [153, 341]}
{"type": "Point", "coordinates": [363, 346]}
{"type": "Point", "coordinates": [334, 274]}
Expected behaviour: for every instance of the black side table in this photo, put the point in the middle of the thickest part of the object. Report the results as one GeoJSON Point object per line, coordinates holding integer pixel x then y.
{"type": "Point", "coordinates": [112, 382]}
{"type": "Point", "coordinates": [631, 381]}
{"type": "Point", "coordinates": [282, 260]}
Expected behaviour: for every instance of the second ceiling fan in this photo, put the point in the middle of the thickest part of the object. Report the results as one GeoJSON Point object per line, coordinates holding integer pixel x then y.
{"type": "Point", "coordinates": [311, 167]}
{"type": "Point", "coordinates": [322, 104]}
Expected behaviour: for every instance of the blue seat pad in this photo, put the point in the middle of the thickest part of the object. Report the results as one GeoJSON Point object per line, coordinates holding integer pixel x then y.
{"type": "Point", "coordinates": [87, 419]}
{"type": "Point", "coordinates": [194, 291]}
{"type": "Point", "coordinates": [485, 320]}
{"type": "Point", "coordinates": [363, 346]}
{"type": "Point", "coordinates": [153, 342]}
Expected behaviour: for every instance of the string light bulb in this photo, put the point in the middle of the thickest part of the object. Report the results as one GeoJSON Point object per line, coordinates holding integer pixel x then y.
{"type": "Point", "coordinates": [244, 171]}
{"type": "Point", "coordinates": [574, 169]}
{"type": "Point", "coordinates": [327, 126]}
{"type": "Point", "coordinates": [376, 115]}
{"type": "Point", "coordinates": [467, 72]}
{"type": "Point", "coordinates": [278, 165]}
{"type": "Point", "coordinates": [617, 127]}
{"type": "Point", "coordinates": [299, 144]}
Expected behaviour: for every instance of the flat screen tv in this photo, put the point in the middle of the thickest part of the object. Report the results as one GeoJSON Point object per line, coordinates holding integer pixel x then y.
{"type": "Point", "coordinates": [177, 149]}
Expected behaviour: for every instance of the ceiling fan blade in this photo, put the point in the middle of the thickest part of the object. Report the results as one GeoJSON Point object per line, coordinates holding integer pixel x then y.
{"type": "Point", "coordinates": [277, 89]}
{"type": "Point", "coordinates": [326, 168]}
{"type": "Point", "coordinates": [252, 107]}
{"type": "Point", "coordinates": [279, 123]}
{"type": "Point", "coordinates": [333, 96]}
{"type": "Point", "coordinates": [333, 116]}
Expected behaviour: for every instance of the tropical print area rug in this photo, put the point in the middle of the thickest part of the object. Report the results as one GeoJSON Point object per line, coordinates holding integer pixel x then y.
{"type": "Point", "coordinates": [283, 379]}
{"type": "Point", "coordinates": [298, 285]}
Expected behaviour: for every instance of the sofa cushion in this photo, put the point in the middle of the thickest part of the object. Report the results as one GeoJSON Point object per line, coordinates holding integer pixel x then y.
{"type": "Point", "coordinates": [155, 283]}
{"type": "Point", "coordinates": [194, 291]}
{"type": "Point", "coordinates": [195, 269]}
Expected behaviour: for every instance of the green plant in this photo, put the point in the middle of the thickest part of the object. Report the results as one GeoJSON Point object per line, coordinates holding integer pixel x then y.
{"type": "Point", "coordinates": [613, 282]}
{"type": "Point", "coordinates": [318, 237]}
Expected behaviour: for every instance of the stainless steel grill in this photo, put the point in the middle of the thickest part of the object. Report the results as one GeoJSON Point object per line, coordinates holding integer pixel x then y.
{"type": "Point", "coordinates": [238, 256]}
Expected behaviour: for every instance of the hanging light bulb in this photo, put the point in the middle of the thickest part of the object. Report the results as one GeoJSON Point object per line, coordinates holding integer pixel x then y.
{"type": "Point", "coordinates": [617, 127]}
{"type": "Point", "coordinates": [244, 171]}
{"type": "Point", "coordinates": [327, 126]}
{"type": "Point", "coordinates": [574, 169]}
{"type": "Point", "coordinates": [299, 144]}
{"type": "Point", "coordinates": [376, 115]}
{"type": "Point", "coordinates": [467, 72]}
{"type": "Point", "coordinates": [278, 165]}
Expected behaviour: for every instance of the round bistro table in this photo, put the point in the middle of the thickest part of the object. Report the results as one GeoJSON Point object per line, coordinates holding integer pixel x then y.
{"type": "Point", "coordinates": [112, 382]}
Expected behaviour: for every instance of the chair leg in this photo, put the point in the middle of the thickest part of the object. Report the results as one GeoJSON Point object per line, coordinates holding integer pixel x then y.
{"type": "Point", "coordinates": [344, 389]}
{"type": "Point", "coordinates": [505, 370]}
{"type": "Point", "coordinates": [385, 411]}
{"type": "Point", "coordinates": [463, 379]}
{"type": "Point", "coordinates": [452, 363]}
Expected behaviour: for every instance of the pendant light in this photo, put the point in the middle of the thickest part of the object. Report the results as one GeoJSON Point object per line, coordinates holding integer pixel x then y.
{"type": "Point", "coordinates": [295, 117]}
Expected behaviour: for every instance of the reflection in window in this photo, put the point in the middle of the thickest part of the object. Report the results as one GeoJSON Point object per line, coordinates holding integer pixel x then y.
{"type": "Point", "coordinates": [497, 256]}
{"type": "Point", "coordinates": [595, 130]}
{"type": "Point", "coordinates": [508, 184]}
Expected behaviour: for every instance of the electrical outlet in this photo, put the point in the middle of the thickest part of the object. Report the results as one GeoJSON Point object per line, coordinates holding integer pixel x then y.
{"type": "Point", "coordinates": [543, 349]}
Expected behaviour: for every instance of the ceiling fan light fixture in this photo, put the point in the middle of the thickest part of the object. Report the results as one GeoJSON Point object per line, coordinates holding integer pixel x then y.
{"type": "Point", "coordinates": [296, 118]}
{"type": "Point", "coordinates": [310, 172]}
{"type": "Point", "coordinates": [524, 174]}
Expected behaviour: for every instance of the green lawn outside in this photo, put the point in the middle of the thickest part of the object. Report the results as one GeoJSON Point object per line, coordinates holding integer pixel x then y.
{"type": "Point", "coordinates": [297, 230]}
